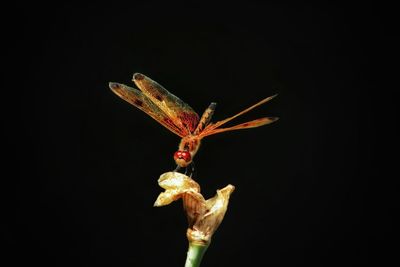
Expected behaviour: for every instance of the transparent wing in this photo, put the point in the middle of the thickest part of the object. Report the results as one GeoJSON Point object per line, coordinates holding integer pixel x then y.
{"type": "Point", "coordinates": [178, 111]}
{"type": "Point", "coordinates": [246, 125]}
{"type": "Point", "coordinates": [214, 128]}
{"type": "Point", "coordinates": [142, 102]}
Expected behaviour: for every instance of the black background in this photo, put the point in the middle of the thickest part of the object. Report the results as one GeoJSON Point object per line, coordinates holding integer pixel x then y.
{"type": "Point", "coordinates": [313, 188]}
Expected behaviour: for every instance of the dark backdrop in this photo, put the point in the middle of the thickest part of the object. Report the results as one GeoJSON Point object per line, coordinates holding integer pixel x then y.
{"type": "Point", "coordinates": [310, 188]}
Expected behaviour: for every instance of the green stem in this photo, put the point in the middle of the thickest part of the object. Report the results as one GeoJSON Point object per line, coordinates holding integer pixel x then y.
{"type": "Point", "coordinates": [195, 254]}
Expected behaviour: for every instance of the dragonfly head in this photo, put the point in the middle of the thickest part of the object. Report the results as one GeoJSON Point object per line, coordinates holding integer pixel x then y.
{"type": "Point", "coordinates": [182, 158]}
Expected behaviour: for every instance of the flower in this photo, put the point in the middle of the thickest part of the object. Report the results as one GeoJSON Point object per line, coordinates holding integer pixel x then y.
{"type": "Point", "coordinates": [204, 216]}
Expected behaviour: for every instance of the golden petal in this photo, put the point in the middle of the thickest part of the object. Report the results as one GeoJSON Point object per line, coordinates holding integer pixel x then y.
{"type": "Point", "coordinates": [175, 185]}
{"type": "Point", "coordinates": [176, 180]}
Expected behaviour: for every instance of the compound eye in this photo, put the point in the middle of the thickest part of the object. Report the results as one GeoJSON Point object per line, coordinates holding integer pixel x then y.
{"type": "Point", "coordinates": [185, 155]}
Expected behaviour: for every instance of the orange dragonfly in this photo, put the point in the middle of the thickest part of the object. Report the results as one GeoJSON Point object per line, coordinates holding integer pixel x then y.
{"type": "Point", "coordinates": [179, 117]}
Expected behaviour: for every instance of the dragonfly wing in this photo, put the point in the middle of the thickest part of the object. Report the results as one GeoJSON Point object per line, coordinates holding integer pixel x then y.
{"type": "Point", "coordinates": [220, 123]}
{"type": "Point", "coordinates": [181, 113]}
{"type": "Point", "coordinates": [246, 125]}
{"type": "Point", "coordinates": [142, 102]}
{"type": "Point", "coordinates": [214, 128]}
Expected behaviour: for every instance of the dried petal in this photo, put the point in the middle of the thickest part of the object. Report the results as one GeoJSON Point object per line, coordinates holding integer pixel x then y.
{"type": "Point", "coordinates": [207, 223]}
{"type": "Point", "coordinates": [178, 181]}
{"type": "Point", "coordinates": [194, 205]}
{"type": "Point", "coordinates": [175, 184]}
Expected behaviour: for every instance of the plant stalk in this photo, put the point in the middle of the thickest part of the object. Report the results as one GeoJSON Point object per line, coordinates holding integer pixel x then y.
{"type": "Point", "coordinates": [195, 254]}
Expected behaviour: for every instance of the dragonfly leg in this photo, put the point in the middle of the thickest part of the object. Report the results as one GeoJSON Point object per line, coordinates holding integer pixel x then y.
{"type": "Point", "coordinates": [189, 171]}
{"type": "Point", "coordinates": [193, 167]}
{"type": "Point", "coordinates": [177, 168]}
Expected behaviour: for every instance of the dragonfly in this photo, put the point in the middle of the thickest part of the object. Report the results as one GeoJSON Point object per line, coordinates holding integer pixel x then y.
{"type": "Point", "coordinates": [178, 117]}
